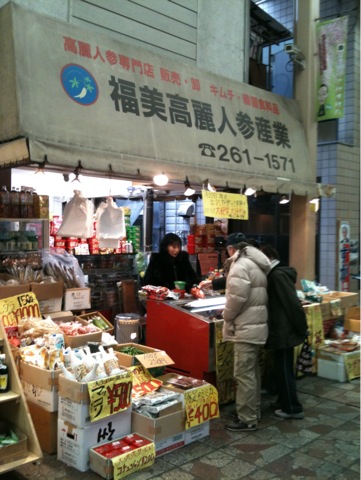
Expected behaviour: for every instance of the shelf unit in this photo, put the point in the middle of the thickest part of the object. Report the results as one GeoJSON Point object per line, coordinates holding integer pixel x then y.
{"type": "Point", "coordinates": [14, 409]}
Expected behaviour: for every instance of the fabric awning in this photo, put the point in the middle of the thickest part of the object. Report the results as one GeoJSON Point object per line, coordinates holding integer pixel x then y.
{"type": "Point", "coordinates": [78, 95]}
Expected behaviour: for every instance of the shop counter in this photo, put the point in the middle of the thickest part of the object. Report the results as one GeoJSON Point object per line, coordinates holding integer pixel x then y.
{"type": "Point", "coordinates": [189, 338]}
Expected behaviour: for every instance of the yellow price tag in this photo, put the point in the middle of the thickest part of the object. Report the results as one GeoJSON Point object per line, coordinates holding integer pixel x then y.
{"type": "Point", "coordinates": [201, 405]}
{"type": "Point", "coordinates": [12, 309]}
{"type": "Point", "coordinates": [133, 461]}
{"type": "Point", "coordinates": [110, 395]}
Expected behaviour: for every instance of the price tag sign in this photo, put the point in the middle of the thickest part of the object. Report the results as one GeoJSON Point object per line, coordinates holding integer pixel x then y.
{"type": "Point", "coordinates": [13, 309]}
{"type": "Point", "coordinates": [143, 382]}
{"type": "Point", "coordinates": [352, 364]}
{"type": "Point", "coordinates": [110, 395]}
{"type": "Point", "coordinates": [133, 461]}
{"type": "Point", "coordinates": [154, 359]}
{"type": "Point", "coordinates": [201, 405]}
{"type": "Point", "coordinates": [225, 205]}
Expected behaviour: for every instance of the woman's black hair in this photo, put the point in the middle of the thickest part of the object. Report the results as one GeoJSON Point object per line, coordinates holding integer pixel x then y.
{"type": "Point", "coordinates": [270, 252]}
{"type": "Point", "coordinates": [169, 239]}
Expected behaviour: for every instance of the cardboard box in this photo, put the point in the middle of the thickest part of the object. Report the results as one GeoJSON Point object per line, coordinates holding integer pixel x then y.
{"type": "Point", "coordinates": [126, 463]}
{"type": "Point", "coordinates": [49, 296]}
{"type": "Point", "coordinates": [331, 364]}
{"type": "Point", "coordinates": [12, 290]}
{"type": "Point", "coordinates": [197, 432]}
{"type": "Point", "coordinates": [152, 357]}
{"type": "Point", "coordinates": [77, 299]}
{"type": "Point", "coordinates": [46, 427]}
{"type": "Point", "coordinates": [40, 386]}
{"type": "Point", "coordinates": [352, 320]}
{"type": "Point", "coordinates": [157, 429]}
{"type": "Point", "coordinates": [75, 341]}
{"type": "Point", "coordinates": [169, 444]}
{"type": "Point", "coordinates": [74, 443]}
{"type": "Point", "coordinates": [347, 299]}
{"type": "Point", "coordinates": [12, 453]}
{"type": "Point", "coordinates": [75, 413]}
{"type": "Point", "coordinates": [88, 316]}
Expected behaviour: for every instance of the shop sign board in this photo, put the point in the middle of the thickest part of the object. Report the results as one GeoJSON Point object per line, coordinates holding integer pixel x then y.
{"type": "Point", "coordinates": [110, 103]}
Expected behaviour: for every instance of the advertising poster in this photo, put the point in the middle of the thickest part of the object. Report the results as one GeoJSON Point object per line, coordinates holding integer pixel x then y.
{"type": "Point", "coordinates": [344, 257]}
{"type": "Point", "coordinates": [332, 41]}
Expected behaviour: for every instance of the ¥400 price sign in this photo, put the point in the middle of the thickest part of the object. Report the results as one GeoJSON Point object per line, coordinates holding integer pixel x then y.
{"type": "Point", "coordinates": [201, 405]}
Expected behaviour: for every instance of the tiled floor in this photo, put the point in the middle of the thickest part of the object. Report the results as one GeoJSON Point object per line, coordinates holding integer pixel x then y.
{"type": "Point", "coordinates": [325, 445]}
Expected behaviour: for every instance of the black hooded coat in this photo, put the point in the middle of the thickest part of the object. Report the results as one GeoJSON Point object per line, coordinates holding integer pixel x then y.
{"type": "Point", "coordinates": [287, 321]}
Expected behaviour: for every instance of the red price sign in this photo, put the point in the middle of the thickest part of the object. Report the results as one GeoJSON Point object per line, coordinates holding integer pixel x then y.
{"type": "Point", "coordinates": [201, 405]}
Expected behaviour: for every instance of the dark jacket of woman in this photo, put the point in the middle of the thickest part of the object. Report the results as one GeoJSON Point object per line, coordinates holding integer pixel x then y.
{"type": "Point", "coordinates": [163, 270]}
{"type": "Point", "coordinates": [287, 321]}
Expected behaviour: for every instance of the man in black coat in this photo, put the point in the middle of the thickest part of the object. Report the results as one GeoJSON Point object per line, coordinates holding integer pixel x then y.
{"type": "Point", "coordinates": [287, 325]}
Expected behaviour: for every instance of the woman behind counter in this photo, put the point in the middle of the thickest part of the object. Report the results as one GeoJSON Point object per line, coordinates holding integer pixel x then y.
{"type": "Point", "coordinates": [170, 265]}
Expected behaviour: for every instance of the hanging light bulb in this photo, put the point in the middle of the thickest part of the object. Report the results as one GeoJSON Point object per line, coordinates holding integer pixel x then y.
{"type": "Point", "coordinates": [284, 199]}
{"type": "Point", "coordinates": [250, 191]}
{"type": "Point", "coordinates": [189, 191]}
{"type": "Point", "coordinates": [160, 179]}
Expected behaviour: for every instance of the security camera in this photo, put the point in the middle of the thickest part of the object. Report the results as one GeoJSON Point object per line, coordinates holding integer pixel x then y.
{"type": "Point", "coordinates": [292, 49]}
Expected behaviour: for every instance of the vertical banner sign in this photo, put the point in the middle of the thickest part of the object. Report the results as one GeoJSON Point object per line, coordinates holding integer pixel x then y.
{"type": "Point", "coordinates": [344, 257]}
{"type": "Point", "coordinates": [226, 384]}
{"type": "Point", "coordinates": [225, 205]}
{"type": "Point", "coordinates": [332, 41]}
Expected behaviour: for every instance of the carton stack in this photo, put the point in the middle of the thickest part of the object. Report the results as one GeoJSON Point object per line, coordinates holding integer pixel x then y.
{"type": "Point", "coordinates": [77, 431]}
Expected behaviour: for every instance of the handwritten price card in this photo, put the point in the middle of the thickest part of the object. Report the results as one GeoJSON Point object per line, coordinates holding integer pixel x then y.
{"type": "Point", "coordinates": [143, 382]}
{"type": "Point", "coordinates": [13, 309]}
{"type": "Point", "coordinates": [110, 395]}
{"type": "Point", "coordinates": [201, 405]}
{"type": "Point", "coordinates": [225, 205]}
{"type": "Point", "coordinates": [352, 364]}
{"type": "Point", "coordinates": [133, 461]}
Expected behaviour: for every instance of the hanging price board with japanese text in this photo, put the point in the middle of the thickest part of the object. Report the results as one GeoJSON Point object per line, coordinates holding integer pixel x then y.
{"type": "Point", "coordinates": [225, 205]}
{"type": "Point", "coordinates": [201, 405]}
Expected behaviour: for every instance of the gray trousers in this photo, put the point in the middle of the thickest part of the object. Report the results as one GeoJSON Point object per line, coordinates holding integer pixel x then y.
{"type": "Point", "coordinates": [248, 379]}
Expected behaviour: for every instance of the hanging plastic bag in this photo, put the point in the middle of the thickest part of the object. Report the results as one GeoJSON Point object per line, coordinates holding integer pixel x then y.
{"type": "Point", "coordinates": [77, 218]}
{"type": "Point", "coordinates": [110, 224]}
{"type": "Point", "coordinates": [304, 362]}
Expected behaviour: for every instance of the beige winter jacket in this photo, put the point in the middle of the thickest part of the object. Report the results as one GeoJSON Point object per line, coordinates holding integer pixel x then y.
{"type": "Point", "coordinates": [245, 313]}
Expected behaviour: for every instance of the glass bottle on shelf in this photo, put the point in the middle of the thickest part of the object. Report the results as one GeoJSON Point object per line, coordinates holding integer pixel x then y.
{"type": "Point", "coordinates": [14, 203]}
{"type": "Point", "coordinates": [23, 203]}
{"type": "Point", "coordinates": [4, 202]}
{"type": "Point", "coordinates": [4, 375]}
{"type": "Point", "coordinates": [29, 204]}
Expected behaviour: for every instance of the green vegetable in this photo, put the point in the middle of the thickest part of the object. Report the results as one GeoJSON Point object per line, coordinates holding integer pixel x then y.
{"type": "Point", "coordinates": [132, 351]}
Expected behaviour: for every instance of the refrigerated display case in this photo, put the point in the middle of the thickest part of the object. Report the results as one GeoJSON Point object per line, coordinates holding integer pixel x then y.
{"type": "Point", "coordinates": [191, 334]}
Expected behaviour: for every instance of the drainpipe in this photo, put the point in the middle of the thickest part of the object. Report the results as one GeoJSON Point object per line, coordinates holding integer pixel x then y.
{"type": "Point", "coordinates": [148, 221]}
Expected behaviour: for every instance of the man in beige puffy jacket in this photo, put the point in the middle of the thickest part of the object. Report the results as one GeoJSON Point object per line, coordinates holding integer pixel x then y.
{"type": "Point", "coordinates": [245, 324]}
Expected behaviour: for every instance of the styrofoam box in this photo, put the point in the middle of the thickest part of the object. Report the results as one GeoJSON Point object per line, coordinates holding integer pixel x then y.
{"type": "Point", "coordinates": [197, 432]}
{"type": "Point", "coordinates": [74, 442]}
{"type": "Point", "coordinates": [47, 399]}
{"type": "Point", "coordinates": [331, 370]}
{"type": "Point", "coordinates": [75, 413]}
{"type": "Point", "coordinates": [169, 444]}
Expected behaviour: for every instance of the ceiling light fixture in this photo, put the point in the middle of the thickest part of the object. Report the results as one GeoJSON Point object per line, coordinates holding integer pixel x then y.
{"type": "Point", "coordinates": [284, 199]}
{"type": "Point", "coordinates": [249, 191]}
{"type": "Point", "coordinates": [189, 191]}
{"type": "Point", "coordinates": [160, 179]}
